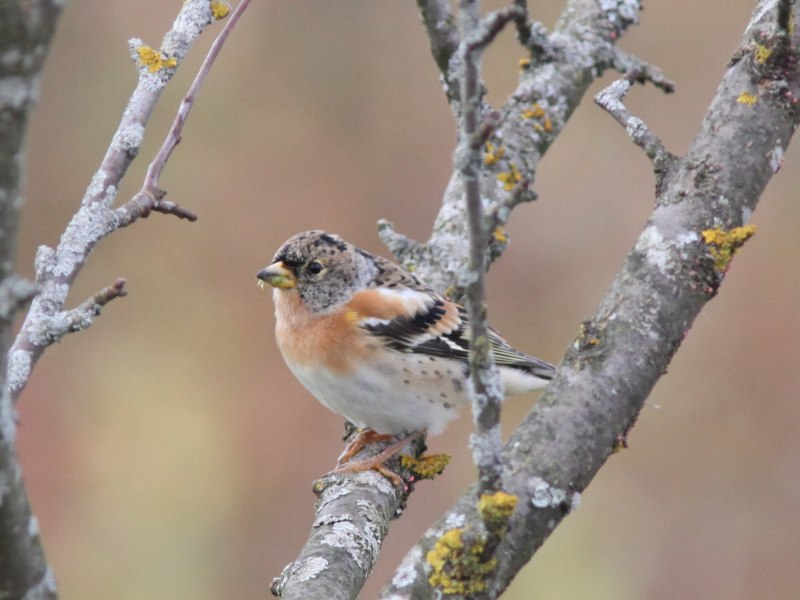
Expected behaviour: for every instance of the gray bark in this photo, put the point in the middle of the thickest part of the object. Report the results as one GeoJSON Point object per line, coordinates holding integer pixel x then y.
{"type": "Point", "coordinates": [674, 269]}
{"type": "Point", "coordinates": [26, 31]}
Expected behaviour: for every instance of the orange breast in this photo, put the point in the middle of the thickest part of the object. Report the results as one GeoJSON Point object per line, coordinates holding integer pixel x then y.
{"type": "Point", "coordinates": [332, 341]}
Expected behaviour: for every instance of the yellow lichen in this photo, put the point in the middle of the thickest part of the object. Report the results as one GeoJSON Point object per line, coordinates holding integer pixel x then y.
{"type": "Point", "coordinates": [534, 112]}
{"type": "Point", "coordinates": [586, 338]}
{"type": "Point", "coordinates": [722, 244]}
{"type": "Point", "coordinates": [511, 178]}
{"type": "Point", "coordinates": [495, 509]}
{"type": "Point", "coordinates": [154, 60]}
{"type": "Point", "coordinates": [219, 10]}
{"type": "Point", "coordinates": [524, 63]}
{"type": "Point", "coordinates": [459, 567]}
{"type": "Point", "coordinates": [500, 235]}
{"type": "Point", "coordinates": [762, 54]}
{"type": "Point", "coordinates": [538, 113]}
{"type": "Point", "coordinates": [427, 466]}
{"type": "Point", "coordinates": [747, 98]}
{"type": "Point", "coordinates": [493, 154]}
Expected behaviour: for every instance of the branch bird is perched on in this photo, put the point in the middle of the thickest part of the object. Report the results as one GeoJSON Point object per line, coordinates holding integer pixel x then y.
{"type": "Point", "coordinates": [374, 344]}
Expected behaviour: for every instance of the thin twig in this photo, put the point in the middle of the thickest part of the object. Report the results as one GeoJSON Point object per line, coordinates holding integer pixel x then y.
{"type": "Point", "coordinates": [487, 393]}
{"type": "Point", "coordinates": [80, 317]}
{"type": "Point", "coordinates": [56, 268]}
{"type": "Point", "coordinates": [627, 64]}
{"type": "Point", "coordinates": [174, 136]}
{"type": "Point", "coordinates": [490, 122]}
{"type": "Point", "coordinates": [523, 25]}
{"type": "Point", "coordinates": [485, 32]}
{"type": "Point", "coordinates": [487, 387]}
{"type": "Point", "coordinates": [610, 99]}
{"type": "Point", "coordinates": [444, 39]}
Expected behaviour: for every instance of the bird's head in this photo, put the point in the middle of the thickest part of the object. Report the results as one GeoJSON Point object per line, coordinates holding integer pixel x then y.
{"type": "Point", "coordinates": [321, 267]}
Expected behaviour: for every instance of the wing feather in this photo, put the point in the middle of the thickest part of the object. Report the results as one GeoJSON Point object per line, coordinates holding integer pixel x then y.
{"type": "Point", "coordinates": [425, 323]}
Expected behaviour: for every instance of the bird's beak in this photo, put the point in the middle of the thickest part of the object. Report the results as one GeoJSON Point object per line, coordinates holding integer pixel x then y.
{"type": "Point", "coordinates": [278, 276]}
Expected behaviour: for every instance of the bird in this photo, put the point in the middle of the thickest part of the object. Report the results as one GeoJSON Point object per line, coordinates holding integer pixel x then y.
{"type": "Point", "coordinates": [376, 345]}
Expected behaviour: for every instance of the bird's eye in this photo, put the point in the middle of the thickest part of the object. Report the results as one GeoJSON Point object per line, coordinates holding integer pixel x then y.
{"type": "Point", "coordinates": [314, 267]}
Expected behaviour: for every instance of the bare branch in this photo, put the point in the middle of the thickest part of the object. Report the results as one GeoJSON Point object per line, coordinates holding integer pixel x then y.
{"type": "Point", "coordinates": [56, 268]}
{"type": "Point", "coordinates": [443, 35]}
{"type": "Point", "coordinates": [140, 206]}
{"type": "Point", "coordinates": [398, 243]}
{"type": "Point", "coordinates": [81, 316]}
{"type": "Point", "coordinates": [174, 136]}
{"type": "Point", "coordinates": [27, 34]}
{"type": "Point", "coordinates": [484, 33]}
{"type": "Point", "coordinates": [523, 25]}
{"type": "Point", "coordinates": [610, 99]}
{"type": "Point", "coordinates": [627, 64]}
{"type": "Point", "coordinates": [535, 113]}
{"type": "Point", "coordinates": [487, 391]}
{"type": "Point", "coordinates": [352, 517]}
{"type": "Point", "coordinates": [170, 208]}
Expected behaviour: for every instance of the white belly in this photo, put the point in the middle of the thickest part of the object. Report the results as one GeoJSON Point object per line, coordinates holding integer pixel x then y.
{"type": "Point", "coordinates": [410, 394]}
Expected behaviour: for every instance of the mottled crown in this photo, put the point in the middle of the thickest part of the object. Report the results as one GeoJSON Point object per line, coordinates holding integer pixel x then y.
{"type": "Point", "coordinates": [345, 268]}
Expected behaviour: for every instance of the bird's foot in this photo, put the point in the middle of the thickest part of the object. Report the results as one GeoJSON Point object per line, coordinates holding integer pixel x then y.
{"type": "Point", "coordinates": [377, 462]}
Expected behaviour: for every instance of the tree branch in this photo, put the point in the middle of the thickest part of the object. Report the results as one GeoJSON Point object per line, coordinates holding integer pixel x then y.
{"type": "Point", "coordinates": [642, 72]}
{"type": "Point", "coordinates": [610, 99]}
{"type": "Point", "coordinates": [523, 25]}
{"type": "Point", "coordinates": [56, 268]}
{"type": "Point", "coordinates": [675, 268]}
{"type": "Point", "coordinates": [23, 569]}
{"type": "Point", "coordinates": [549, 90]}
{"type": "Point", "coordinates": [443, 35]}
{"type": "Point", "coordinates": [351, 519]}
{"type": "Point", "coordinates": [487, 389]}
{"type": "Point", "coordinates": [24, 43]}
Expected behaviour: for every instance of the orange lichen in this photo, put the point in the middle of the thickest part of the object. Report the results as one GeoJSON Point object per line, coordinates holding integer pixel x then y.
{"type": "Point", "coordinates": [493, 154]}
{"type": "Point", "coordinates": [534, 112]}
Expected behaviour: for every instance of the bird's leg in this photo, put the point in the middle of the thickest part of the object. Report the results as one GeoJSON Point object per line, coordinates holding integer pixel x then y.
{"type": "Point", "coordinates": [357, 444]}
{"type": "Point", "coordinates": [375, 462]}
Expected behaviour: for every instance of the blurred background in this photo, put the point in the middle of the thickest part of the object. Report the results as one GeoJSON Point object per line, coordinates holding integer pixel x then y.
{"type": "Point", "coordinates": [168, 451]}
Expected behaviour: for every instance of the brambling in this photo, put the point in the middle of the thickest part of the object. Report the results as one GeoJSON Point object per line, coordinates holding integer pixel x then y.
{"type": "Point", "coordinates": [374, 344]}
